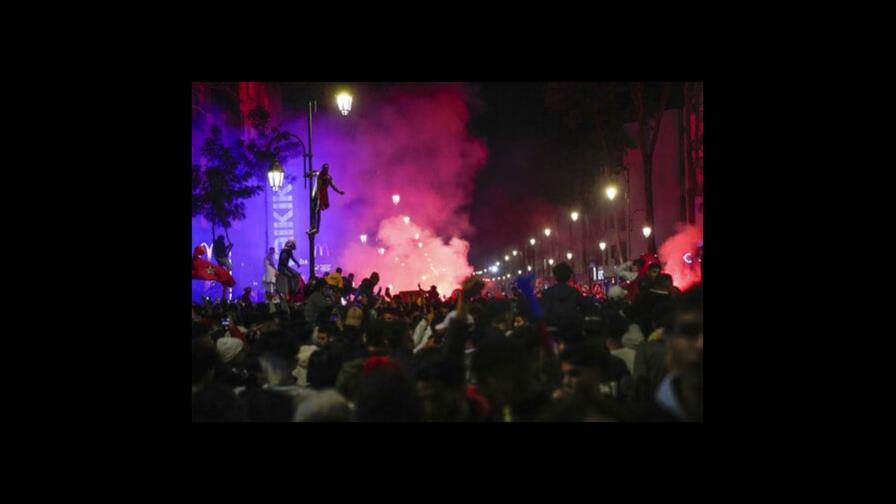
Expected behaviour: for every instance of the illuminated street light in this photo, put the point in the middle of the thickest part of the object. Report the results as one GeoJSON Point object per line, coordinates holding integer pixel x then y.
{"type": "Point", "coordinates": [363, 238]}
{"type": "Point", "coordinates": [646, 231]}
{"type": "Point", "coordinates": [275, 176]}
{"type": "Point", "coordinates": [574, 216]}
{"type": "Point", "coordinates": [344, 101]}
{"type": "Point", "coordinates": [611, 192]}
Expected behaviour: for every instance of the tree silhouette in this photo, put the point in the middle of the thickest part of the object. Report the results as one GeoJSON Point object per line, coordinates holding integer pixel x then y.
{"type": "Point", "coordinates": [219, 191]}
{"type": "Point", "coordinates": [648, 133]}
{"type": "Point", "coordinates": [270, 143]}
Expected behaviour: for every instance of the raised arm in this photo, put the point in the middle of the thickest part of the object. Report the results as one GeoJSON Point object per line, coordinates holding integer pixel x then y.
{"type": "Point", "coordinates": [334, 186]}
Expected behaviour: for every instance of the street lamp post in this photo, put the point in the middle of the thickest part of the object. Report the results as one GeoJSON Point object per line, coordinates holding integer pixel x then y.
{"type": "Point", "coordinates": [628, 244]}
{"type": "Point", "coordinates": [309, 174]}
{"type": "Point", "coordinates": [611, 193]}
{"type": "Point", "coordinates": [574, 216]}
{"type": "Point", "coordinates": [534, 255]}
{"type": "Point", "coordinates": [632, 221]}
{"type": "Point", "coordinates": [275, 174]}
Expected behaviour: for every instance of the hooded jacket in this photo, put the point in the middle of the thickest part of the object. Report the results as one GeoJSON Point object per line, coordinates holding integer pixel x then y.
{"type": "Point", "coordinates": [562, 305]}
{"type": "Point", "coordinates": [315, 304]}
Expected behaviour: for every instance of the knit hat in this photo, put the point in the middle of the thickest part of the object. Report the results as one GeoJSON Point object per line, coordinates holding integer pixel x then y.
{"type": "Point", "coordinates": [334, 279]}
{"type": "Point", "coordinates": [228, 348]}
{"type": "Point", "coordinates": [375, 362]}
{"type": "Point", "coordinates": [353, 317]}
{"type": "Point", "coordinates": [616, 292]}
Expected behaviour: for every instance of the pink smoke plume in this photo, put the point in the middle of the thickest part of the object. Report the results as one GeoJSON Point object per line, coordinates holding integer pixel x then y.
{"type": "Point", "coordinates": [411, 141]}
{"type": "Point", "coordinates": [676, 251]}
{"type": "Point", "coordinates": [405, 263]}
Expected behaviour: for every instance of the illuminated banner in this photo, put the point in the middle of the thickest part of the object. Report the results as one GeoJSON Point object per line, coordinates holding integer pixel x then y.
{"type": "Point", "coordinates": [283, 216]}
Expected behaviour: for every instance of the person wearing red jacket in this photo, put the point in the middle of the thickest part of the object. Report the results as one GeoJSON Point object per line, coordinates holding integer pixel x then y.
{"type": "Point", "coordinates": [648, 268]}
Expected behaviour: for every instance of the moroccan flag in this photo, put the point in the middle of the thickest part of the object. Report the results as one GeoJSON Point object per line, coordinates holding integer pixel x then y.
{"type": "Point", "coordinates": [204, 270]}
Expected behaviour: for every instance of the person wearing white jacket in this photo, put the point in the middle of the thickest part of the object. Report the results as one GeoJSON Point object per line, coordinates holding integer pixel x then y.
{"type": "Point", "coordinates": [302, 360]}
{"type": "Point", "coordinates": [422, 333]}
{"type": "Point", "coordinates": [270, 271]}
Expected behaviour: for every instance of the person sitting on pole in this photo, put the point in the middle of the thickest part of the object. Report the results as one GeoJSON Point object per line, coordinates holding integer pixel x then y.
{"type": "Point", "coordinates": [293, 277]}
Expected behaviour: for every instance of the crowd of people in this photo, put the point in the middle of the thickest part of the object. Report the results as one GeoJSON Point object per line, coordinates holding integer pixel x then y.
{"type": "Point", "coordinates": [337, 352]}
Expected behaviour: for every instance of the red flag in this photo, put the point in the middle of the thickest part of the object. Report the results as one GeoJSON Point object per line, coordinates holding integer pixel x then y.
{"type": "Point", "coordinates": [204, 270]}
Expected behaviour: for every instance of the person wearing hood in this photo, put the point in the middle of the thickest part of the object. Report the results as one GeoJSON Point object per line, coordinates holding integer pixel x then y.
{"type": "Point", "coordinates": [563, 305]}
{"type": "Point", "coordinates": [335, 280]}
{"type": "Point", "coordinates": [318, 302]}
{"type": "Point", "coordinates": [648, 268]}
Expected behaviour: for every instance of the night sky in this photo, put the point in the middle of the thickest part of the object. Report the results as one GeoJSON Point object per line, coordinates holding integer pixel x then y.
{"type": "Point", "coordinates": [544, 154]}
{"type": "Point", "coordinates": [540, 160]}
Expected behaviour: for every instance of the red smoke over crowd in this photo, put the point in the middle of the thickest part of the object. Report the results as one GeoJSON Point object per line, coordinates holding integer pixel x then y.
{"type": "Point", "coordinates": [675, 253]}
{"type": "Point", "coordinates": [413, 142]}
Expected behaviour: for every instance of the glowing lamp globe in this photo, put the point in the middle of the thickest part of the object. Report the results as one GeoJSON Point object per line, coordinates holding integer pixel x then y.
{"type": "Point", "coordinates": [344, 101]}
{"type": "Point", "coordinates": [275, 176]}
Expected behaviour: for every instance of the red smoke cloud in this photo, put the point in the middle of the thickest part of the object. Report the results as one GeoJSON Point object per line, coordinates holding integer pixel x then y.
{"type": "Point", "coordinates": [672, 255]}
{"type": "Point", "coordinates": [410, 140]}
